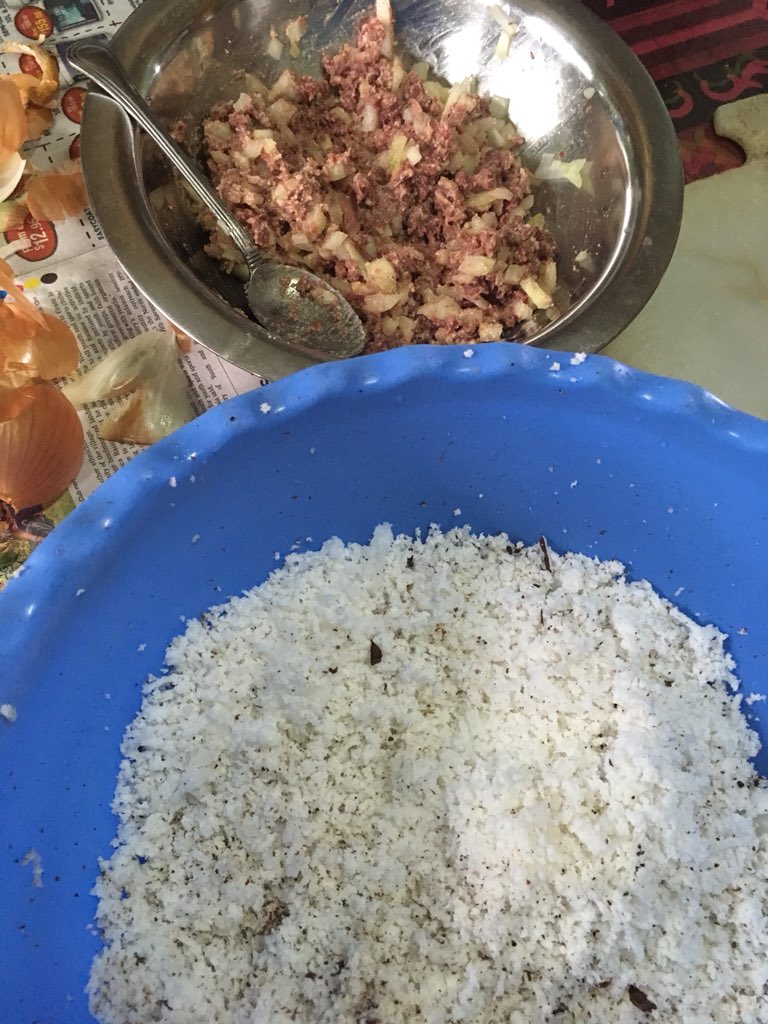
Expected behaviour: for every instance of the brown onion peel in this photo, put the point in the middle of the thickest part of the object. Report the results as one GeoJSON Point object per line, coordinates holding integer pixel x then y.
{"type": "Point", "coordinates": [45, 88]}
{"type": "Point", "coordinates": [13, 120]}
{"type": "Point", "coordinates": [49, 350]}
{"type": "Point", "coordinates": [146, 367]}
{"type": "Point", "coordinates": [41, 444]}
{"type": "Point", "coordinates": [56, 195]}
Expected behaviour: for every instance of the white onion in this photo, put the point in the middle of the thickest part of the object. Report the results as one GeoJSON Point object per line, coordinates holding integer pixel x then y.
{"type": "Point", "coordinates": [490, 331]}
{"type": "Point", "coordinates": [275, 47]}
{"type": "Point", "coordinates": [294, 30]}
{"type": "Point", "coordinates": [484, 200]}
{"type": "Point", "coordinates": [379, 303]}
{"type": "Point", "coordinates": [381, 274]}
{"type": "Point", "coordinates": [413, 154]}
{"type": "Point", "coordinates": [334, 239]}
{"type": "Point", "coordinates": [477, 266]}
{"type": "Point", "coordinates": [370, 118]}
{"type": "Point", "coordinates": [441, 308]}
{"type": "Point", "coordinates": [537, 295]}
{"type": "Point", "coordinates": [285, 86]}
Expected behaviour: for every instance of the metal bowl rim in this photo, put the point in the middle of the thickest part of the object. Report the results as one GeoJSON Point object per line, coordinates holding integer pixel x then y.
{"type": "Point", "coordinates": [122, 208]}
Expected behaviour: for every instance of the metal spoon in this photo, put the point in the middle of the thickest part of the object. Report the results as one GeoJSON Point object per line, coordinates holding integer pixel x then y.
{"type": "Point", "coordinates": [297, 308]}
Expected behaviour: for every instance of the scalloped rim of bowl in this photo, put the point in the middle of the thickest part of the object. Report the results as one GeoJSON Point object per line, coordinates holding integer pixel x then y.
{"type": "Point", "coordinates": [67, 554]}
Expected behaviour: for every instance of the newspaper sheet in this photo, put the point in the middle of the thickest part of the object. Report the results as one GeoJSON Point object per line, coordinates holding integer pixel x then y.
{"type": "Point", "coordinates": [67, 268]}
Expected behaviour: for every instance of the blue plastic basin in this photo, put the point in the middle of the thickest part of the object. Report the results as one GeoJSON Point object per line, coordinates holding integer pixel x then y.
{"type": "Point", "coordinates": [596, 457]}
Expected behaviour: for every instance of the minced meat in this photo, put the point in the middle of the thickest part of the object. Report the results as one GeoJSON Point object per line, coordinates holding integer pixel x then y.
{"type": "Point", "coordinates": [407, 195]}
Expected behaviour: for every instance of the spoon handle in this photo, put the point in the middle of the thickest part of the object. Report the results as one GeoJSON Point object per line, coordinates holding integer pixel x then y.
{"type": "Point", "coordinates": [99, 63]}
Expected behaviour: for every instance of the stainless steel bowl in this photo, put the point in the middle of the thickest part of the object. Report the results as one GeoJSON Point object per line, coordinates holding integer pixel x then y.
{"type": "Point", "coordinates": [575, 90]}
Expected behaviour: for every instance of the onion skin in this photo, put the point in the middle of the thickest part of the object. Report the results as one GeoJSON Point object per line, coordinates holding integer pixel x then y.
{"type": "Point", "coordinates": [41, 444]}
{"type": "Point", "coordinates": [13, 120]}
{"type": "Point", "coordinates": [48, 350]}
{"type": "Point", "coordinates": [41, 90]}
{"type": "Point", "coordinates": [56, 195]}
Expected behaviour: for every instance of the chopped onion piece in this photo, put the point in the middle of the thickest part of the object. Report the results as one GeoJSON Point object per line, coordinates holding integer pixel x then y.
{"type": "Point", "coordinates": [379, 303]}
{"type": "Point", "coordinates": [217, 131]}
{"type": "Point", "coordinates": [413, 154]}
{"type": "Point", "coordinates": [381, 274]}
{"type": "Point", "coordinates": [336, 168]}
{"type": "Point", "coordinates": [441, 308]}
{"type": "Point", "coordinates": [406, 326]}
{"type": "Point", "coordinates": [282, 110]}
{"type": "Point", "coordinates": [548, 276]}
{"type": "Point", "coordinates": [315, 223]}
{"type": "Point", "coordinates": [477, 266]}
{"type": "Point", "coordinates": [552, 168]}
{"type": "Point", "coordinates": [370, 118]}
{"type": "Point", "coordinates": [502, 19]}
{"type": "Point", "coordinates": [334, 240]}
{"type": "Point", "coordinates": [456, 162]}
{"type": "Point", "coordinates": [384, 14]}
{"type": "Point", "coordinates": [537, 295]}
{"type": "Point", "coordinates": [514, 274]}
{"type": "Point", "coordinates": [394, 156]}
{"type": "Point", "coordinates": [502, 46]}
{"type": "Point", "coordinates": [294, 31]}
{"type": "Point", "coordinates": [398, 73]}
{"type": "Point", "coordinates": [490, 331]}
{"type": "Point", "coordinates": [300, 240]}
{"type": "Point", "coordinates": [496, 139]}
{"type": "Point", "coordinates": [11, 248]}
{"type": "Point", "coordinates": [152, 412]}
{"type": "Point", "coordinates": [348, 250]}
{"type": "Point", "coordinates": [275, 47]}
{"type": "Point", "coordinates": [457, 92]}
{"type": "Point", "coordinates": [285, 86]}
{"type": "Point", "coordinates": [252, 148]}
{"type": "Point", "coordinates": [499, 107]}
{"type": "Point", "coordinates": [122, 370]}
{"type": "Point", "coordinates": [522, 310]}
{"type": "Point", "coordinates": [436, 90]}
{"type": "Point", "coordinates": [484, 200]}
{"type": "Point", "coordinates": [341, 114]}
{"type": "Point", "coordinates": [254, 85]}
{"type": "Point", "coordinates": [421, 70]}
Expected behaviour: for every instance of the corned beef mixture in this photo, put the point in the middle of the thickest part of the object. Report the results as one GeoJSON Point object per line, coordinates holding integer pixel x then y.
{"type": "Point", "coordinates": [406, 194]}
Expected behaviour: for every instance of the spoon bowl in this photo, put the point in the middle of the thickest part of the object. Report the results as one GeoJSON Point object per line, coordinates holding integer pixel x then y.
{"type": "Point", "coordinates": [300, 310]}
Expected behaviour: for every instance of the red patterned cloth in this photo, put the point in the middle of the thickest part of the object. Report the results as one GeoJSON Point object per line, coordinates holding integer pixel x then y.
{"type": "Point", "coordinates": [700, 53]}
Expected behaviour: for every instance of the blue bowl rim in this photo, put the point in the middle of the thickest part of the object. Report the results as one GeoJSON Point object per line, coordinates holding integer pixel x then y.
{"type": "Point", "coordinates": [66, 551]}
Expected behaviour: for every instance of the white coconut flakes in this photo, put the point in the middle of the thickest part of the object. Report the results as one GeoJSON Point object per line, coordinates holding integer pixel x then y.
{"type": "Point", "coordinates": [431, 780]}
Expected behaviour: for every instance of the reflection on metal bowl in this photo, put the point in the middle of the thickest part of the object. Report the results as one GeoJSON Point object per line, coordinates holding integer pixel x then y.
{"type": "Point", "coordinates": [575, 90]}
